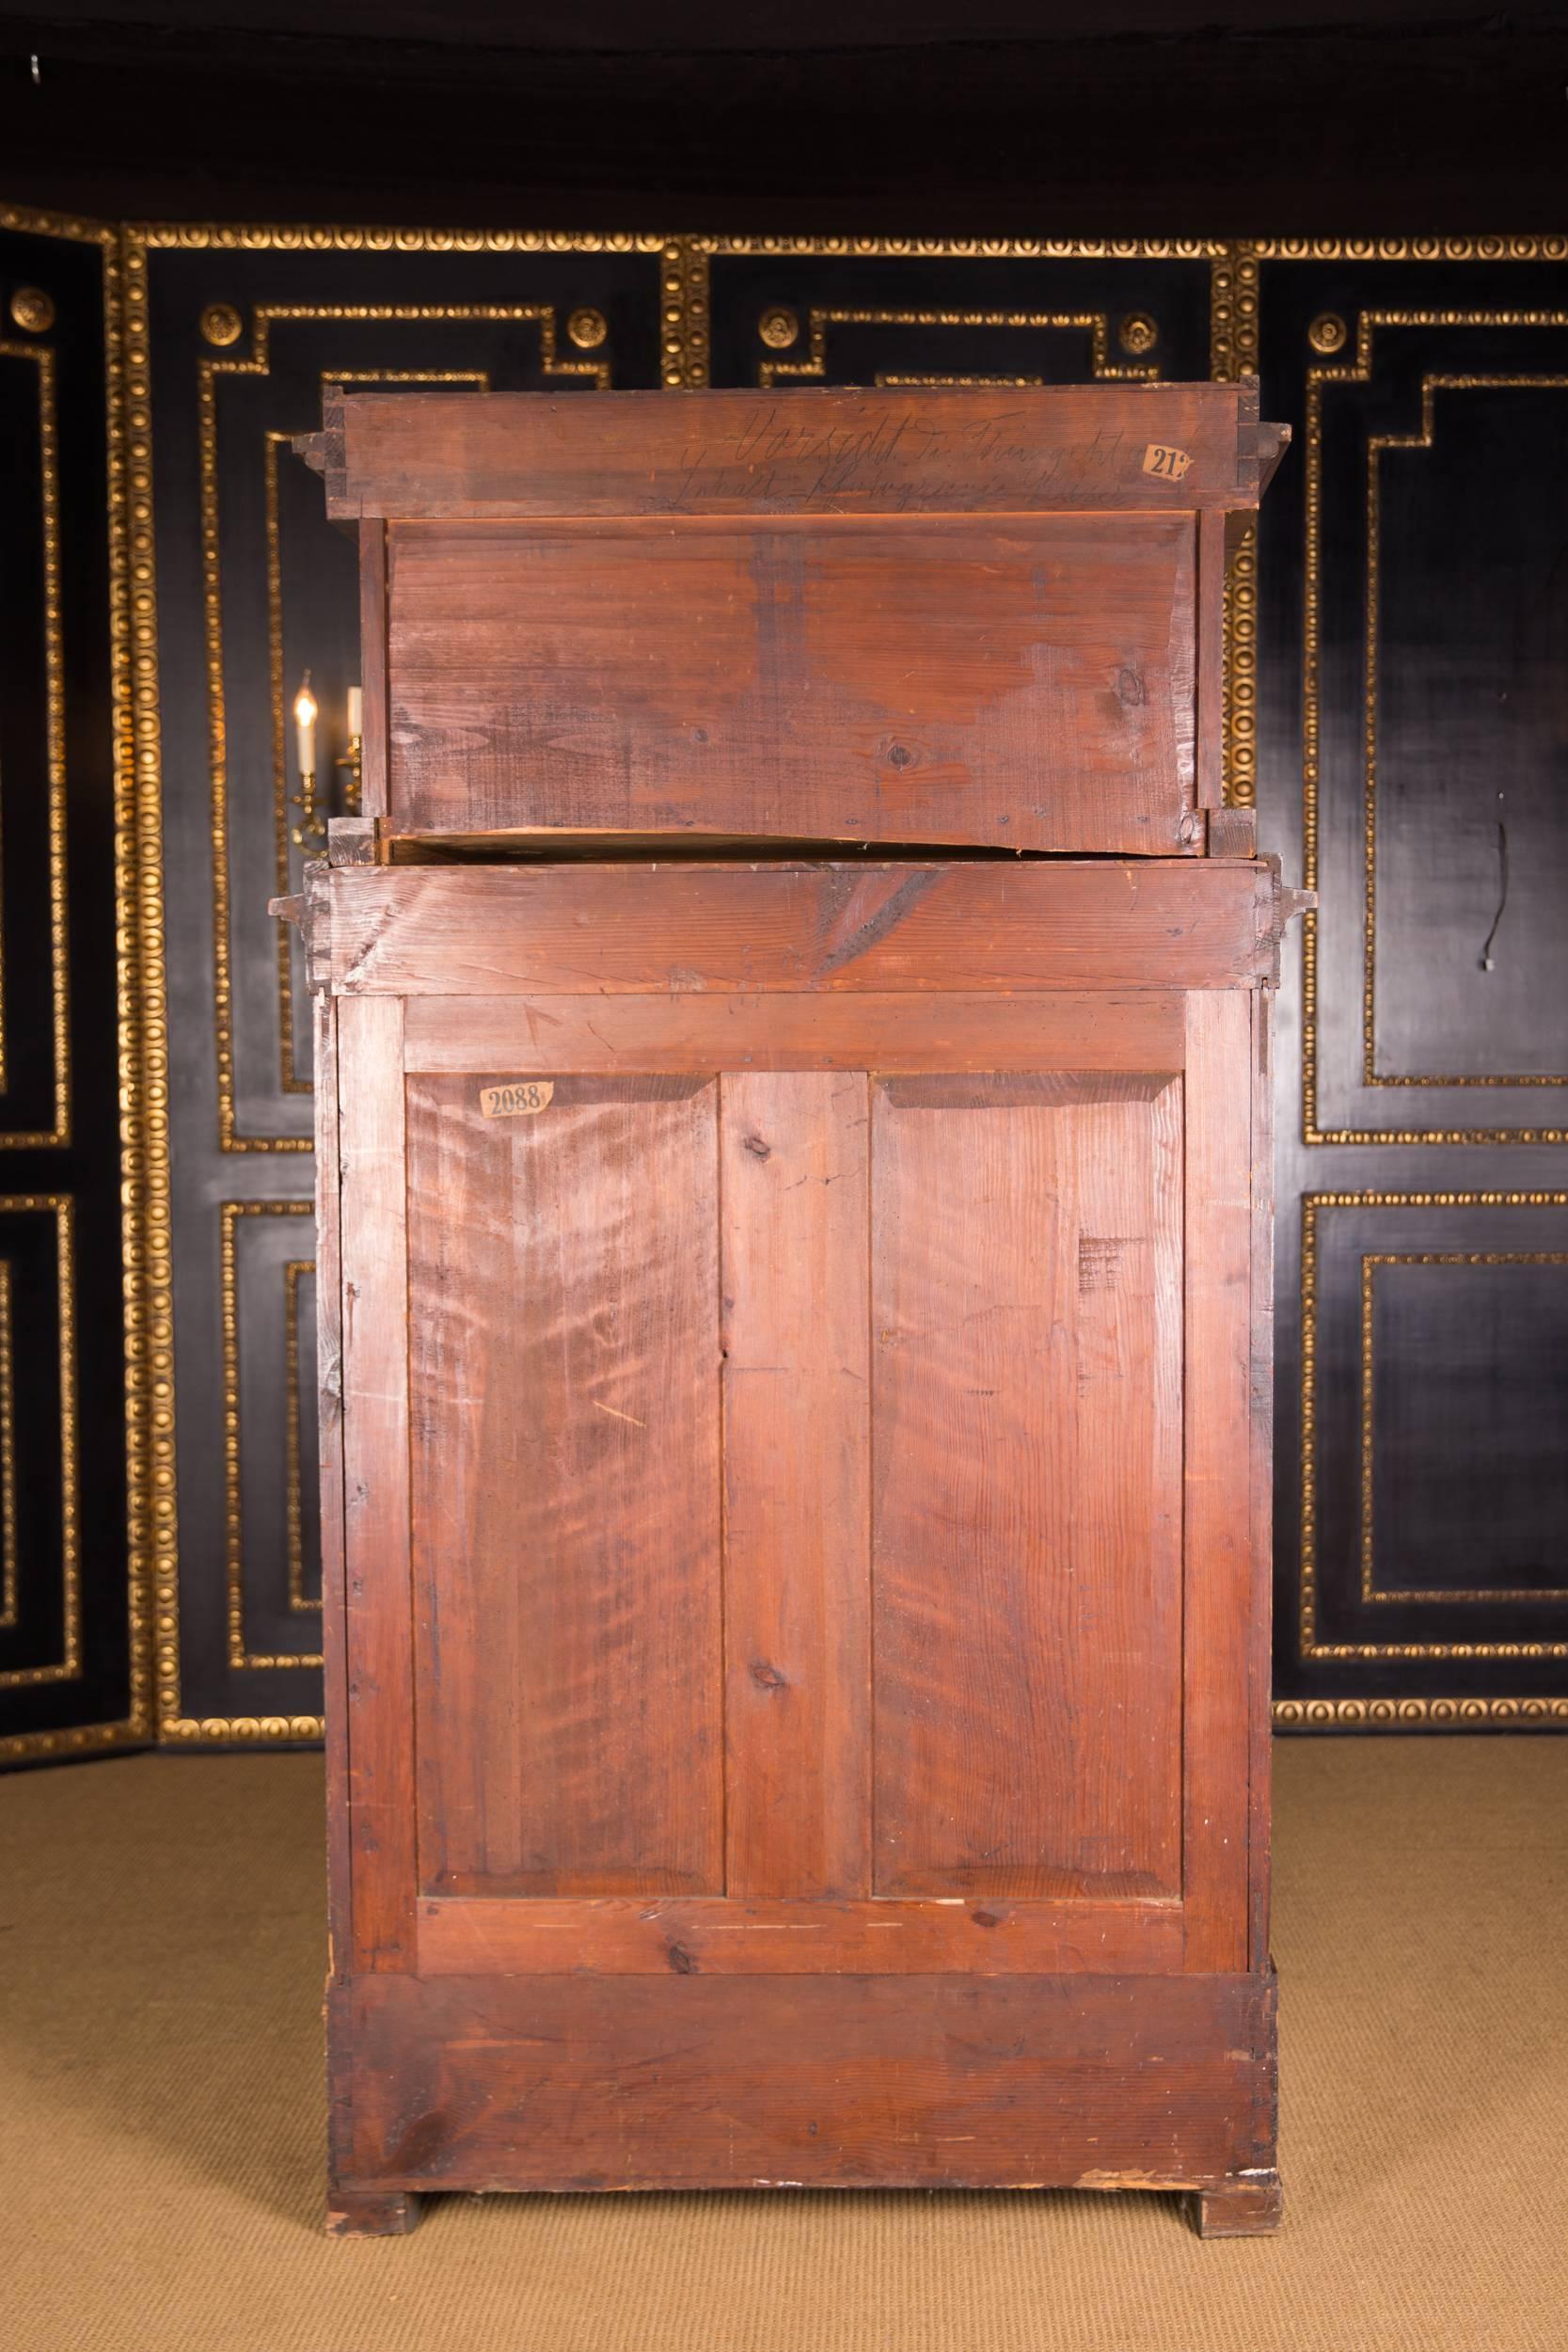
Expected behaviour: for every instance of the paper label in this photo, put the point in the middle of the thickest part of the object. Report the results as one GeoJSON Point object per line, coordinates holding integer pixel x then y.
{"type": "Point", "coordinates": [518, 1099]}
{"type": "Point", "coordinates": [1170, 463]}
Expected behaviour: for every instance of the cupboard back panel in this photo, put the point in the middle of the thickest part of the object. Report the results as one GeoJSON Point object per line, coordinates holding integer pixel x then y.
{"type": "Point", "coordinates": [565, 1444]}
{"type": "Point", "coordinates": [1026, 682]}
{"type": "Point", "coordinates": [796, 1485]}
{"type": "Point", "coordinates": [1027, 1312]}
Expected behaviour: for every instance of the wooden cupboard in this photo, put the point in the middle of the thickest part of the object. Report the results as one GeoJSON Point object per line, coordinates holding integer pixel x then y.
{"type": "Point", "coordinates": [795, 1287]}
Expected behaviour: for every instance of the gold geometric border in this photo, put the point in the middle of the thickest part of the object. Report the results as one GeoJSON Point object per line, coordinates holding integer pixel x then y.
{"type": "Point", "coordinates": [1420, 1714]}
{"type": "Point", "coordinates": [1370, 1589]}
{"type": "Point", "coordinates": [230, 1213]}
{"type": "Point", "coordinates": [1094, 322]}
{"type": "Point", "coordinates": [11, 1572]}
{"type": "Point", "coordinates": [1423, 437]}
{"type": "Point", "coordinates": [1359, 371]}
{"type": "Point", "coordinates": [136, 240]}
{"type": "Point", "coordinates": [293, 1274]}
{"type": "Point", "coordinates": [1361, 1652]}
{"type": "Point", "coordinates": [43, 358]}
{"type": "Point", "coordinates": [138, 967]}
{"type": "Point", "coordinates": [1238, 297]}
{"type": "Point", "coordinates": [69, 1666]}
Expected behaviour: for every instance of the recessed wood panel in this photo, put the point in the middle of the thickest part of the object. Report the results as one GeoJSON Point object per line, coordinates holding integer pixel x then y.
{"type": "Point", "coordinates": [1026, 682]}
{"type": "Point", "coordinates": [563, 1399]}
{"type": "Point", "coordinates": [1026, 1530]}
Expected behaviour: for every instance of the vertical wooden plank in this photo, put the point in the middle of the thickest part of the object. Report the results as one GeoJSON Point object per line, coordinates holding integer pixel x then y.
{"type": "Point", "coordinates": [372, 641]}
{"type": "Point", "coordinates": [564, 1405]}
{"type": "Point", "coordinates": [1262, 1471]}
{"type": "Point", "coordinates": [1209, 659]}
{"type": "Point", "coordinates": [329, 1424]}
{"type": "Point", "coordinates": [1027, 1499]}
{"type": "Point", "coordinates": [376, 1480]}
{"type": "Point", "coordinates": [793, 1182]}
{"type": "Point", "coordinates": [1218, 1485]}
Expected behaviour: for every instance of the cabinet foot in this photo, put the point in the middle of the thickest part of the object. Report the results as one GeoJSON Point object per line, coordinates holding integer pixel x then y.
{"type": "Point", "coordinates": [371, 2212]}
{"type": "Point", "coordinates": [1249, 2205]}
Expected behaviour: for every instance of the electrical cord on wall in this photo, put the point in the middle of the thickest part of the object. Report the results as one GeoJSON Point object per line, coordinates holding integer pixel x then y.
{"type": "Point", "coordinates": [1486, 958]}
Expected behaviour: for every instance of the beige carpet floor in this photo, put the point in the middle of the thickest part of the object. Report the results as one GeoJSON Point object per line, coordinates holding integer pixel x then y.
{"type": "Point", "coordinates": [160, 1972]}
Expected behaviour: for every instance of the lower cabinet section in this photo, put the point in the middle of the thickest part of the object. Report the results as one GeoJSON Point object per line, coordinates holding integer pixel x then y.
{"type": "Point", "coordinates": [571, 2082]}
{"type": "Point", "coordinates": [795, 1476]}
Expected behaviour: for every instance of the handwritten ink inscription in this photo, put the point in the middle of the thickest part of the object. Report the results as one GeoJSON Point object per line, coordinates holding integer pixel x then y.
{"type": "Point", "coordinates": [520, 1099]}
{"type": "Point", "coordinates": [837, 458]}
{"type": "Point", "coordinates": [1170, 463]}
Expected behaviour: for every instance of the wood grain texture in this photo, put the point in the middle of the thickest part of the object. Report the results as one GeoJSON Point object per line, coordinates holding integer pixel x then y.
{"type": "Point", "coordinates": [374, 678]}
{"type": "Point", "coordinates": [1252, 2204]}
{"type": "Point", "coordinates": [329, 1427]}
{"type": "Point", "coordinates": [850, 2082]}
{"type": "Point", "coordinates": [1160, 923]}
{"type": "Point", "coordinates": [801, 1665]}
{"type": "Point", "coordinates": [1027, 1381]}
{"type": "Point", "coordinates": [1261, 1472]}
{"type": "Point", "coordinates": [1030, 687]}
{"type": "Point", "coordinates": [377, 1601]}
{"type": "Point", "coordinates": [1069, 1031]}
{"type": "Point", "coordinates": [564, 1323]}
{"type": "Point", "coordinates": [1208, 661]}
{"type": "Point", "coordinates": [794, 1160]}
{"type": "Point", "coordinates": [820, 451]}
{"type": "Point", "coordinates": [1220, 1640]}
{"type": "Point", "coordinates": [747, 1935]}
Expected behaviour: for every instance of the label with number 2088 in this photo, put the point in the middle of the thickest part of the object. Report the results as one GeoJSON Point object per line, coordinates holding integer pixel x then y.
{"type": "Point", "coordinates": [518, 1099]}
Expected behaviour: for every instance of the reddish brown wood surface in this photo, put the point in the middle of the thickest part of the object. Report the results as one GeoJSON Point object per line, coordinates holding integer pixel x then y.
{"type": "Point", "coordinates": [1208, 661]}
{"type": "Point", "coordinates": [329, 1427]}
{"type": "Point", "coordinates": [564, 1388]}
{"type": "Point", "coordinates": [1029, 686]}
{"type": "Point", "coordinates": [748, 1935]}
{"type": "Point", "coordinates": [373, 674]}
{"type": "Point", "coordinates": [1260, 1438]}
{"type": "Point", "coordinates": [377, 1601]}
{"type": "Point", "coordinates": [524, 930]}
{"type": "Point", "coordinates": [722, 2082]}
{"type": "Point", "coordinates": [1251, 2205]}
{"type": "Point", "coordinates": [1220, 1635]}
{"type": "Point", "coordinates": [799, 1647]}
{"type": "Point", "coordinates": [794, 1156]}
{"type": "Point", "coordinates": [1070, 1030]}
{"type": "Point", "coordinates": [1026, 1286]}
{"type": "Point", "coordinates": [812, 452]}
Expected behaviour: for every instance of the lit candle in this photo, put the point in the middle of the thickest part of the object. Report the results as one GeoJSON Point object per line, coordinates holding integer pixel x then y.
{"type": "Point", "coordinates": [305, 727]}
{"type": "Point", "coordinates": [355, 714]}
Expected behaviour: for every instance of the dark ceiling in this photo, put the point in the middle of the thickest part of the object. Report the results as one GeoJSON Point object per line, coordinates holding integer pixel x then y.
{"type": "Point", "coordinates": [1130, 116]}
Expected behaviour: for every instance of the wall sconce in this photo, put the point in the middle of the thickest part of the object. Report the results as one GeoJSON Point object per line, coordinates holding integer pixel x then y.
{"type": "Point", "coordinates": [310, 832]}
{"type": "Point", "coordinates": [311, 828]}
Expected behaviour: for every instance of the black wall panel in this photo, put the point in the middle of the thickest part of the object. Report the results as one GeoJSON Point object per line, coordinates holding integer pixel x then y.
{"type": "Point", "coordinates": [1412, 766]}
{"type": "Point", "coordinates": [72, 1619]}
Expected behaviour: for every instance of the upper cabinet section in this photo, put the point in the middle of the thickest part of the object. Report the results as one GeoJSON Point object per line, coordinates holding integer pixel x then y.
{"type": "Point", "coordinates": [985, 617]}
